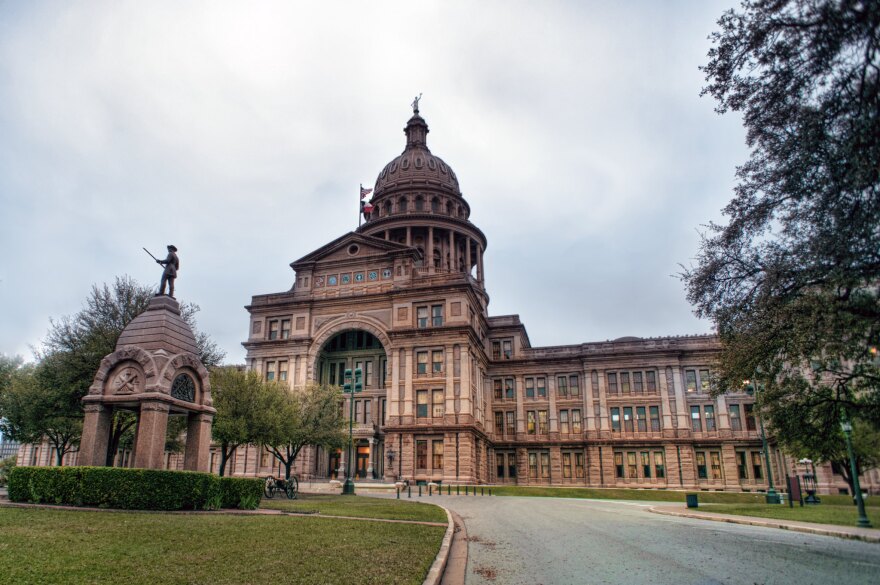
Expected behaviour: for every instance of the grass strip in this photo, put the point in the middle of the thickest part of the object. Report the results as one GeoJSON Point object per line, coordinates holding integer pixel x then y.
{"type": "Point", "coordinates": [820, 514]}
{"type": "Point", "coordinates": [39, 546]}
{"type": "Point", "coordinates": [648, 495]}
{"type": "Point", "coordinates": [358, 506]}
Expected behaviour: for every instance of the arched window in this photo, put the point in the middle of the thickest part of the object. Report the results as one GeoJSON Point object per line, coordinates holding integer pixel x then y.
{"type": "Point", "coordinates": [449, 208]}
{"type": "Point", "coordinates": [435, 205]}
{"type": "Point", "coordinates": [460, 211]}
{"type": "Point", "coordinates": [388, 208]}
{"type": "Point", "coordinates": [436, 258]}
{"type": "Point", "coordinates": [420, 203]}
{"type": "Point", "coordinates": [401, 204]}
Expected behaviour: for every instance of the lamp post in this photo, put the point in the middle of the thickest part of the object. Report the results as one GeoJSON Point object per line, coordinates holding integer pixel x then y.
{"type": "Point", "coordinates": [772, 496]}
{"type": "Point", "coordinates": [811, 481]}
{"type": "Point", "coordinates": [391, 453]}
{"type": "Point", "coordinates": [846, 427]}
{"type": "Point", "coordinates": [350, 387]}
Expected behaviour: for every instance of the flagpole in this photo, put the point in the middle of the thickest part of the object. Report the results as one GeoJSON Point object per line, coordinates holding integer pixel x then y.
{"type": "Point", "coordinates": [360, 204]}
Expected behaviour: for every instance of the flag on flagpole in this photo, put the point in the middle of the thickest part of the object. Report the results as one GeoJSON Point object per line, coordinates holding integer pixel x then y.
{"type": "Point", "coordinates": [365, 192]}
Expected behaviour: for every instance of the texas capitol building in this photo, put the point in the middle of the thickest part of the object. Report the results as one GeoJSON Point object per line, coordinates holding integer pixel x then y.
{"type": "Point", "coordinates": [453, 394]}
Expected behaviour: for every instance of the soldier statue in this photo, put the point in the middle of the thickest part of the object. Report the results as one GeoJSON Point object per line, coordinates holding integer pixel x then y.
{"type": "Point", "coordinates": [172, 265]}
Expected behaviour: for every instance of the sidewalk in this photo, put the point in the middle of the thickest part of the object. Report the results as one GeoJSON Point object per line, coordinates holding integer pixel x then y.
{"type": "Point", "coordinates": [849, 532]}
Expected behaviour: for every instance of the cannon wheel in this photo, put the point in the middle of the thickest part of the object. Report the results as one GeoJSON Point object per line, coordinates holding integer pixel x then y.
{"type": "Point", "coordinates": [269, 487]}
{"type": "Point", "coordinates": [291, 488]}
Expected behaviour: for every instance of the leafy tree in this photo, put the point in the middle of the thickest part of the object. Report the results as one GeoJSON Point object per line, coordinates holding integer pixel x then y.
{"type": "Point", "coordinates": [247, 409]}
{"type": "Point", "coordinates": [791, 280]}
{"type": "Point", "coordinates": [8, 366]}
{"type": "Point", "coordinates": [814, 432]}
{"type": "Point", "coordinates": [311, 415]}
{"type": "Point", "coordinates": [32, 406]}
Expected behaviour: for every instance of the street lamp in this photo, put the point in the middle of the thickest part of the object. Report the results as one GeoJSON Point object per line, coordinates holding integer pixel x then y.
{"type": "Point", "coordinates": [772, 497]}
{"type": "Point", "coordinates": [846, 427]}
{"type": "Point", "coordinates": [351, 387]}
{"type": "Point", "coordinates": [391, 453]}
{"type": "Point", "coordinates": [811, 482]}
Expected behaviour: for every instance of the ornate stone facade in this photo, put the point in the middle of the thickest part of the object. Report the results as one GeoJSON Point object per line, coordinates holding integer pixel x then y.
{"type": "Point", "coordinates": [453, 394]}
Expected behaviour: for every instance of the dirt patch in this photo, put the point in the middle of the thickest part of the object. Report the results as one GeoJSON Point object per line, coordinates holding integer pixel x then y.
{"type": "Point", "coordinates": [476, 539]}
{"type": "Point", "coordinates": [487, 573]}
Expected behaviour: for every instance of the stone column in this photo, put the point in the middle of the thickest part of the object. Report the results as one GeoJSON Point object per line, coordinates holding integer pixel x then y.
{"type": "Point", "coordinates": [370, 457]}
{"type": "Point", "coordinates": [429, 250]}
{"type": "Point", "coordinates": [553, 415]}
{"type": "Point", "coordinates": [466, 382]}
{"type": "Point", "coordinates": [452, 263]}
{"type": "Point", "coordinates": [449, 389]}
{"type": "Point", "coordinates": [604, 427]}
{"type": "Point", "coordinates": [518, 389]}
{"type": "Point", "coordinates": [589, 422]}
{"type": "Point", "coordinates": [684, 425]}
{"type": "Point", "coordinates": [198, 442]}
{"type": "Point", "coordinates": [150, 444]}
{"type": "Point", "coordinates": [722, 418]}
{"type": "Point", "coordinates": [96, 435]}
{"type": "Point", "coordinates": [467, 255]}
{"type": "Point", "coordinates": [479, 264]}
{"type": "Point", "coordinates": [394, 406]}
{"type": "Point", "coordinates": [666, 413]}
{"type": "Point", "coordinates": [408, 236]}
{"type": "Point", "coordinates": [408, 413]}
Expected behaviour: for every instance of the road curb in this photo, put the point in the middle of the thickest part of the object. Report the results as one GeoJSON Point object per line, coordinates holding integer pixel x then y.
{"type": "Point", "coordinates": [822, 530]}
{"type": "Point", "coordinates": [435, 573]}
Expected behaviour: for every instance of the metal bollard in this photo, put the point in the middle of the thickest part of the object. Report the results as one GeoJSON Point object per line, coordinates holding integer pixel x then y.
{"type": "Point", "coordinates": [490, 491]}
{"type": "Point", "coordinates": [420, 490]}
{"type": "Point", "coordinates": [481, 492]}
{"type": "Point", "coordinates": [398, 493]}
{"type": "Point", "coordinates": [465, 490]}
{"type": "Point", "coordinates": [430, 490]}
{"type": "Point", "coordinates": [409, 491]}
{"type": "Point", "coordinates": [449, 490]}
{"type": "Point", "coordinates": [458, 490]}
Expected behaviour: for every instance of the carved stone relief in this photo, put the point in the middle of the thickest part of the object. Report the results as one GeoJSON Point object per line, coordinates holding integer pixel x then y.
{"type": "Point", "coordinates": [127, 381]}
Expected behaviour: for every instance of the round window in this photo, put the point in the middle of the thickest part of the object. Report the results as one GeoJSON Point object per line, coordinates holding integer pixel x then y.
{"type": "Point", "coordinates": [353, 249]}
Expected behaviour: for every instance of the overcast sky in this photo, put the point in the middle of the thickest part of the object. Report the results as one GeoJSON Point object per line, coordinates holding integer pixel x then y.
{"type": "Point", "coordinates": [240, 131]}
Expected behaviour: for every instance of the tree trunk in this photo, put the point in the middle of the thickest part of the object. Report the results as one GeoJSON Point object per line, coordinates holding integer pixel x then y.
{"type": "Point", "coordinates": [59, 455]}
{"type": "Point", "coordinates": [225, 454]}
{"type": "Point", "coordinates": [119, 429]}
{"type": "Point", "coordinates": [287, 465]}
{"type": "Point", "coordinates": [846, 474]}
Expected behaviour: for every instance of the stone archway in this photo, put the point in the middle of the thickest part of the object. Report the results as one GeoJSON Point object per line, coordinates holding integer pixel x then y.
{"type": "Point", "coordinates": [350, 322]}
{"type": "Point", "coordinates": [346, 343]}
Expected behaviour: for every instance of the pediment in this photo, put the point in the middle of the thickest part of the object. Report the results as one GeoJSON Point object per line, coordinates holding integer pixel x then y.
{"type": "Point", "coordinates": [352, 246]}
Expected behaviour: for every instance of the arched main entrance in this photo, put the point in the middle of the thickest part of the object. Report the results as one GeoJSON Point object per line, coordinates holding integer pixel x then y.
{"type": "Point", "coordinates": [352, 349]}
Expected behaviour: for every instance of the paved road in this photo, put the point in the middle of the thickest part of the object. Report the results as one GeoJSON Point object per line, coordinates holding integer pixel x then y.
{"type": "Point", "coordinates": [548, 541]}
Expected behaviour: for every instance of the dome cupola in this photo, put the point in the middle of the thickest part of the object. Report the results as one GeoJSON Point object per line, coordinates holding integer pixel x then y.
{"type": "Point", "coordinates": [416, 167]}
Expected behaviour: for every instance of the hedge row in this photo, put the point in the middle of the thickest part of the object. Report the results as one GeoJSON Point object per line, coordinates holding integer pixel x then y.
{"type": "Point", "coordinates": [132, 489]}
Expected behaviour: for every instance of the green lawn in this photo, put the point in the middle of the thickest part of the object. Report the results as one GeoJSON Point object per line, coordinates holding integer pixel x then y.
{"type": "Point", "coordinates": [39, 546]}
{"type": "Point", "coordinates": [623, 494]}
{"type": "Point", "coordinates": [823, 513]}
{"type": "Point", "coordinates": [357, 506]}
{"type": "Point", "coordinates": [647, 495]}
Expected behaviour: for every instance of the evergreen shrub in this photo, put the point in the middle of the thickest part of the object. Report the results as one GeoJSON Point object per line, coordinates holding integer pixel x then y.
{"type": "Point", "coordinates": [129, 489]}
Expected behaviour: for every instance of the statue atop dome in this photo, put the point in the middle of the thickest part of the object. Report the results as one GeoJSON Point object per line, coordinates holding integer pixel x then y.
{"type": "Point", "coordinates": [415, 104]}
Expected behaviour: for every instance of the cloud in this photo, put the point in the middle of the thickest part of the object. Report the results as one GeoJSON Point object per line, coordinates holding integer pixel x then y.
{"type": "Point", "coordinates": [240, 131]}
